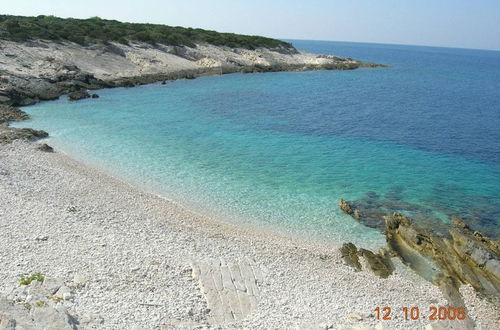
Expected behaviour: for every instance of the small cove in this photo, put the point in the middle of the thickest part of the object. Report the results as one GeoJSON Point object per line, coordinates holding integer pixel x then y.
{"type": "Point", "coordinates": [277, 150]}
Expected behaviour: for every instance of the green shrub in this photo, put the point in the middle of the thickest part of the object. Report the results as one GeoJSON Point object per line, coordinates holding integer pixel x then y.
{"type": "Point", "coordinates": [98, 30]}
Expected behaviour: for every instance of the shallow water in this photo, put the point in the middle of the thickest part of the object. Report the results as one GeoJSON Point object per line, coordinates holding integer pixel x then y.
{"type": "Point", "coordinates": [278, 150]}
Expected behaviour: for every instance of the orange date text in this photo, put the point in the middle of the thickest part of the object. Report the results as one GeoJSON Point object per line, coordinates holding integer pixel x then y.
{"type": "Point", "coordinates": [433, 313]}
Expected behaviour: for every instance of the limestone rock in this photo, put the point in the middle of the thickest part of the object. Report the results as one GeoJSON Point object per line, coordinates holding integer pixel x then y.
{"type": "Point", "coordinates": [14, 316]}
{"type": "Point", "coordinates": [345, 206]}
{"type": "Point", "coordinates": [33, 306]}
{"type": "Point", "coordinates": [45, 148]}
{"type": "Point", "coordinates": [51, 72]}
{"type": "Point", "coordinates": [63, 293]}
{"type": "Point", "coordinates": [350, 255]}
{"type": "Point", "coordinates": [79, 281]}
{"type": "Point", "coordinates": [51, 285]}
{"type": "Point", "coordinates": [78, 95]}
{"type": "Point", "coordinates": [8, 113]}
{"type": "Point", "coordinates": [463, 255]}
{"type": "Point", "coordinates": [454, 251]}
{"type": "Point", "coordinates": [380, 265]}
{"type": "Point", "coordinates": [9, 134]}
{"type": "Point", "coordinates": [56, 318]}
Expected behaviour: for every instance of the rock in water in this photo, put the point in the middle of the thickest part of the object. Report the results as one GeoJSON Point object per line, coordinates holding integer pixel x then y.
{"type": "Point", "coordinates": [78, 95]}
{"type": "Point", "coordinates": [8, 113]}
{"type": "Point", "coordinates": [345, 206]}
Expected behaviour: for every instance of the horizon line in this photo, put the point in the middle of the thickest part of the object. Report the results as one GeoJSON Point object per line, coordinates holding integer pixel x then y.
{"type": "Point", "coordinates": [392, 44]}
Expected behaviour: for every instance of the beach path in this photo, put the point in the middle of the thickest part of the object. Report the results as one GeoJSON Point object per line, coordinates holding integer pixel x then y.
{"type": "Point", "coordinates": [230, 288]}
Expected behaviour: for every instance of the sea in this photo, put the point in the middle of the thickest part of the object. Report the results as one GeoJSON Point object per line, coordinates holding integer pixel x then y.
{"type": "Point", "coordinates": [276, 151]}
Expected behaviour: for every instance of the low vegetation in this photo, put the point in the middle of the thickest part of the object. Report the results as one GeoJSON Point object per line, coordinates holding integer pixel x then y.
{"type": "Point", "coordinates": [26, 280]}
{"type": "Point", "coordinates": [98, 30]}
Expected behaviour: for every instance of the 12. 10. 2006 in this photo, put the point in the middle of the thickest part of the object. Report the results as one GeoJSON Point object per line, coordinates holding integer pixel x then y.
{"type": "Point", "coordinates": [433, 313]}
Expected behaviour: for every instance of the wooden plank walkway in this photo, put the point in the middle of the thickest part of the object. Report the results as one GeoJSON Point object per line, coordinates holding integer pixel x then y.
{"type": "Point", "coordinates": [231, 289]}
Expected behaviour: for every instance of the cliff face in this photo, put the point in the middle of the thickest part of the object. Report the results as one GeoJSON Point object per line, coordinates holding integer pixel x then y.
{"type": "Point", "coordinates": [42, 70]}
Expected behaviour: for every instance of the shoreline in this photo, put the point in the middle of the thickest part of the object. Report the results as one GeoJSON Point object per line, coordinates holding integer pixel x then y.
{"type": "Point", "coordinates": [300, 233]}
{"type": "Point", "coordinates": [41, 70]}
{"type": "Point", "coordinates": [115, 228]}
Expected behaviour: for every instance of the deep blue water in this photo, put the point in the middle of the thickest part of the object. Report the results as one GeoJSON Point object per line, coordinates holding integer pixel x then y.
{"type": "Point", "coordinates": [277, 150]}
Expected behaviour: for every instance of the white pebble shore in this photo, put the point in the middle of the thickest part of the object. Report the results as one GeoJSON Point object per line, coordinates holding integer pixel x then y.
{"type": "Point", "coordinates": [131, 252]}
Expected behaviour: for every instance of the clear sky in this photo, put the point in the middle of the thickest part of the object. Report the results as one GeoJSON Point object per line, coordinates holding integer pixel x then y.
{"type": "Point", "coordinates": [452, 23]}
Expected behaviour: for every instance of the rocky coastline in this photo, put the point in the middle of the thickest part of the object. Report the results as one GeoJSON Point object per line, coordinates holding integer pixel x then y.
{"type": "Point", "coordinates": [38, 70]}
{"type": "Point", "coordinates": [447, 255]}
{"type": "Point", "coordinates": [9, 134]}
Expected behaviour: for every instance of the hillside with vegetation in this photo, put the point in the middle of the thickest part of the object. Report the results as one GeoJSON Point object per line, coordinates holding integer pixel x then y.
{"type": "Point", "coordinates": [98, 30]}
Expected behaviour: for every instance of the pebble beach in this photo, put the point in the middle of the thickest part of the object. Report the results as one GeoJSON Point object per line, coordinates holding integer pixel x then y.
{"type": "Point", "coordinates": [133, 260]}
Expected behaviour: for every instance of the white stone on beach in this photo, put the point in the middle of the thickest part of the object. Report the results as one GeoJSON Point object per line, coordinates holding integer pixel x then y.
{"type": "Point", "coordinates": [64, 293]}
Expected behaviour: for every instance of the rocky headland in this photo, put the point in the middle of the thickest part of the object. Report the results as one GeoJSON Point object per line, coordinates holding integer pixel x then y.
{"type": "Point", "coordinates": [35, 70]}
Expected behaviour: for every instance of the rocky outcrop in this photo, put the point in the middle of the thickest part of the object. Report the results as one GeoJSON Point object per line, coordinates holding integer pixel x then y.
{"type": "Point", "coordinates": [379, 263]}
{"type": "Point", "coordinates": [43, 70]}
{"type": "Point", "coordinates": [466, 256]}
{"type": "Point", "coordinates": [8, 113]}
{"type": "Point", "coordinates": [78, 95]}
{"type": "Point", "coordinates": [371, 210]}
{"type": "Point", "coordinates": [45, 148]}
{"type": "Point", "coordinates": [9, 134]}
{"type": "Point", "coordinates": [37, 305]}
{"type": "Point", "coordinates": [349, 253]}
{"type": "Point", "coordinates": [447, 255]}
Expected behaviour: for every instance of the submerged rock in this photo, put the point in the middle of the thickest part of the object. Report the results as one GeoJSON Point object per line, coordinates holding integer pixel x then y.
{"type": "Point", "coordinates": [371, 210]}
{"type": "Point", "coordinates": [345, 206]}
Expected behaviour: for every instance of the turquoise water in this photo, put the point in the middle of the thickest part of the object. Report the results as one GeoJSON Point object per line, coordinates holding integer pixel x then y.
{"type": "Point", "coordinates": [278, 150]}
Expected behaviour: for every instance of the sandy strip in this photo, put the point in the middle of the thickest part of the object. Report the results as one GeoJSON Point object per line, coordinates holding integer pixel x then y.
{"type": "Point", "coordinates": [137, 251]}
